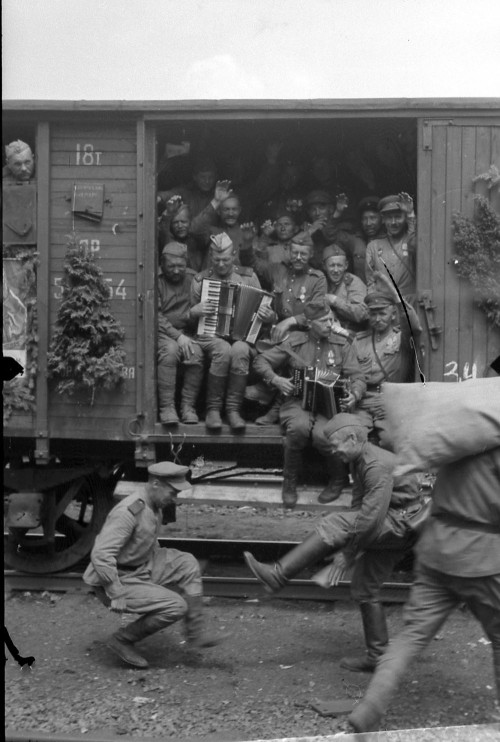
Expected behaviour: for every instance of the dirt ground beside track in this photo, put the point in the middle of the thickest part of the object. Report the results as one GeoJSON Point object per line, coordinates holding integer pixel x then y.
{"type": "Point", "coordinates": [282, 657]}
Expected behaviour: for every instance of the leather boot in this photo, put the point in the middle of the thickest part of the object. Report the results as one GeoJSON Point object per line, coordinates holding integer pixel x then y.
{"type": "Point", "coordinates": [215, 398]}
{"type": "Point", "coordinates": [196, 636]}
{"type": "Point", "coordinates": [365, 717]}
{"type": "Point", "coordinates": [122, 641]}
{"type": "Point", "coordinates": [376, 639]}
{"type": "Point", "coordinates": [274, 577]}
{"type": "Point", "coordinates": [339, 478]}
{"type": "Point", "coordinates": [236, 386]}
{"type": "Point", "coordinates": [272, 416]}
{"type": "Point", "coordinates": [291, 468]}
{"type": "Point", "coordinates": [167, 377]}
{"type": "Point", "coordinates": [193, 376]}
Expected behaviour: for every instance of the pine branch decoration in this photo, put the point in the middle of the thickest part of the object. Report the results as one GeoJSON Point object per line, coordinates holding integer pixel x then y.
{"type": "Point", "coordinates": [86, 349]}
{"type": "Point", "coordinates": [477, 246]}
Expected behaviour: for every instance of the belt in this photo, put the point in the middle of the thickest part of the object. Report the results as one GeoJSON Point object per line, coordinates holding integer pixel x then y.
{"type": "Point", "coordinates": [129, 567]}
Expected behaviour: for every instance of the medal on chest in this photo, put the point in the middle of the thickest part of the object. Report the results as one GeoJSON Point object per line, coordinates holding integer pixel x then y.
{"type": "Point", "coordinates": [330, 361]}
{"type": "Point", "coordinates": [302, 294]}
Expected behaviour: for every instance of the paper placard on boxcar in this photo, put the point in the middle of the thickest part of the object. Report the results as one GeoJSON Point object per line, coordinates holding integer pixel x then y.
{"type": "Point", "coordinates": [88, 201]}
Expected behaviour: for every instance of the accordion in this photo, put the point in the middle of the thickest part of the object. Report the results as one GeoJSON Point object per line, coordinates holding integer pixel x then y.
{"type": "Point", "coordinates": [237, 306]}
{"type": "Point", "coordinates": [320, 391]}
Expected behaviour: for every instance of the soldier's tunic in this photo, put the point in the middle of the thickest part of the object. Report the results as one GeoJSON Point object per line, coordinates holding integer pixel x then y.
{"type": "Point", "coordinates": [127, 562]}
{"type": "Point", "coordinates": [235, 355]}
{"type": "Point", "coordinates": [350, 308]}
{"type": "Point", "coordinates": [399, 259]}
{"type": "Point", "coordinates": [375, 528]}
{"type": "Point", "coordinates": [389, 358]}
{"type": "Point", "coordinates": [333, 353]}
{"type": "Point", "coordinates": [293, 291]}
{"type": "Point", "coordinates": [173, 319]}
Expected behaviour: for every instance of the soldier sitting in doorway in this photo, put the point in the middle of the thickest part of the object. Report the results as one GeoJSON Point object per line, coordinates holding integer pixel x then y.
{"type": "Point", "coordinates": [346, 292]}
{"type": "Point", "coordinates": [321, 347]}
{"type": "Point", "coordinates": [385, 350]}
{"type": "Point", "coordinates": [176, 344]}
{"type": "Point", "coordinates": [20, 163]}
{"type": "Point", "coordinates": [230, 361]}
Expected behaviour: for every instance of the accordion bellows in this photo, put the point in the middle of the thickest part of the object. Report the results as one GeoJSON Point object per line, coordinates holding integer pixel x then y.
{"type": "Point", "coordinates": [237, 306]}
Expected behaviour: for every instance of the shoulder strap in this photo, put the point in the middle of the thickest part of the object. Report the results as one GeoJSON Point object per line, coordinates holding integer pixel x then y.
{"type": "Point", "coordinates": [136, 506]}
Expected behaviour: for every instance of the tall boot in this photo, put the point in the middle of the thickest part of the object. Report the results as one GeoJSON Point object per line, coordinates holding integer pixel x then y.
{"type": "Point", "coordinates": [338, 479]}
{"type": "Point", "coordinates": [236, 386]}
{"type": "Point", "coordinates": [122, 641]}
{"type": "Point", "coordinates": [291, 468]}
{"type": "Point", "coordinates": [196, 635]}
{"type": "Point", "coordinates": [303, 555]}
{"type": "Point", "coordinates": [376, 639]}
{"type": "Point", "coordinates": [215, 398]}
{"type": "Point", "coordinates": [193, 376]}
{"type": "Point", "coordinates": [167, 378]}
{"type": "Point", "coordinates": [272, 416]}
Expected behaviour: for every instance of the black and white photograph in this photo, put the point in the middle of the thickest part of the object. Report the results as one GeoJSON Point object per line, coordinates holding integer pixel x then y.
{"type": "Point", "coordinates": [251, 370]}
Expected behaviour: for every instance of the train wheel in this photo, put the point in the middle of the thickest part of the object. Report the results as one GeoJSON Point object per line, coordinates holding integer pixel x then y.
{"type": "Point", "coordinates": [74, 516]}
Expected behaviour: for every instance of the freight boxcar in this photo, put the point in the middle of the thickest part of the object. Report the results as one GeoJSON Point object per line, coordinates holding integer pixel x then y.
{"type": "Point", "coordinates": [63, 455]}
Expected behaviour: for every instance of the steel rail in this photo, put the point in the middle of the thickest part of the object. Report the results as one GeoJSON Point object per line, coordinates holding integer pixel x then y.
{"type": "Point", "coordinates": [213, 586]}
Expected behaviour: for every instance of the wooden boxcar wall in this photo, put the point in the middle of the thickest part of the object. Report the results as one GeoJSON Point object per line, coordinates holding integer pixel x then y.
{"type": "Point", "coordinates": [452, 152]}
{"type": "Point", "coordinates": [106, 154]}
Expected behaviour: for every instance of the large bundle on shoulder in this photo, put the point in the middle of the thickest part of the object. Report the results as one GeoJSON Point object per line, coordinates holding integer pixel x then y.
{"type": "Point", "coordinates": [437, 423]}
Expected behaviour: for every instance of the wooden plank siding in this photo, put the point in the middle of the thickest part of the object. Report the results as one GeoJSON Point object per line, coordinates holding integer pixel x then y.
{"type": "Point", "coordinates": [459, 150]}
{"type": "Point", "coordinates": [105, 155]}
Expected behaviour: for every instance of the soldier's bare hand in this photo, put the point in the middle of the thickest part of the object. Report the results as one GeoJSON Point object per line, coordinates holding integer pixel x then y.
{"type": "Point", "coordinates": [347, 404]}
{"type": "Point", "coordinates": [267, 228]}
{"type": "Point", "coordinates": [172, 206]}
{"type": "Point", "coordinates": [338, 569]}
{"type": "Point", "coordinates": [285, 386]}
{"type": "Point", "coordinates": [293, 205]}
{"type": "Point", "coordinates": [266, 314]}
{"type": "Point", "coordinates": [118, 605]}
{"type": "Point", "coordinates": [281, 330]}
{"type": "Point", "coordinates": [187, 346]}
{"type": "Point", "coordinates": [204, 308]}
{"type": "Point", "coordinates": [406, 201]}
{"type": "Point", "coordinates": [342, 203]}
{"type": "Point", "coordinates": [316, 225]}
{"type": "Point", "coordinates": [222, 190]}
{"type": "Point", "coordinates": [248, 231]}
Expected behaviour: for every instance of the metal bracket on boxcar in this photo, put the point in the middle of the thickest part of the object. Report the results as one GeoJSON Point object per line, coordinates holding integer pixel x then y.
{"type": "Point", "coordinates": [175, 451]}
{"type": "Point", "coordinates": [434, 330]}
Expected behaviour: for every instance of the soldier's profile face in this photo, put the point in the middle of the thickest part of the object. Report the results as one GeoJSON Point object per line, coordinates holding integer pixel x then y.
{"type": "Point", "coordinates": [21, 164]}
{"type": "Point", "coordinates": [370, 223]}
{"type": "Point", "coordinates": [335, 268]}
{"type": "Point", "coordinates": [394, 223]}
{"type": "Point", "coordinates": [174, 269]}
{"type": "Point", "coordinates": [161, 493]}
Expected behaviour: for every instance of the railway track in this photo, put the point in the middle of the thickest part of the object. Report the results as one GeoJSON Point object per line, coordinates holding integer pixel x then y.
{"type": "Point", "coordinates": [224, 574]}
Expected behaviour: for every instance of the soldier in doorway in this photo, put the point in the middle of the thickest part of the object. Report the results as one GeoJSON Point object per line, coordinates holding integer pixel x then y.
{"type": "Point", "coordinates": [20, 163]}
{"type": "Point", "coordinates": [346, 292]}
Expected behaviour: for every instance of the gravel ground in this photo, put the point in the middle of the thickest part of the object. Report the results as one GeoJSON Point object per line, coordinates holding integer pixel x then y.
{"type": "Point", "coordinates": [282, 657]}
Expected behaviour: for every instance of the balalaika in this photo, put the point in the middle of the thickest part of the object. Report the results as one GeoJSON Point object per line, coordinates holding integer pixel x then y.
{"type": "Point", "coordinates": [320, 391]}
{"type": "Point", "coordinates": [237, 306]}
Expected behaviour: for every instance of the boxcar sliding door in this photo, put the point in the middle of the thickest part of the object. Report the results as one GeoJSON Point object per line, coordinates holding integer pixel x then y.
{"type": "Point", "coordinates": [458, 340]}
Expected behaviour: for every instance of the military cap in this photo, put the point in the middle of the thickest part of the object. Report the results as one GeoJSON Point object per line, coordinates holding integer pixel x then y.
{"type": "Point", "coordinates": [391, 203]}
{"type": "Point", "coordinates": [368, 203]}
{"type": "Point", "coordinates": [281, 213]}
{"type": "Point", "coordinates": [318, 197]}
{"type": "Point", "coordinates": [303, 240]}
{"type": "Point", "coordinates": [171, 473]}
{"type": "Point", "coordinates": [175, 249]}
{"type": "Point", "coordinates": [379, 300]}
{"type": "Point", "coordinates": [342, 420]}
{"type": "Point", "coordinates": [182, 209]}
{"type": "Point", "coordinates": [316, 311]}
{"type": "Point", "coordinates": [16, 148]}
{"type": "Point", "coordinates": [333, 251]}
{"type": "Point", "coordinates": [220, 242]}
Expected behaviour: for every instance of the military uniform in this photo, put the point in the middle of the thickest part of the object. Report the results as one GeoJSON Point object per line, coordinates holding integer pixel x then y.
{"type": "Point", "coordinates": [174, 321]}
{"type": "Point", "coordinates": [333, 353]}
{"type": "Point", "coordinates": [399, 259]}
{"type": "Point", "coordinates": [458, 560]}
{"type": "Point", "coordinates": [386, 358]}
{"type": "Point", "coordinates": [293, 291]}
{"type": "Point", "coordinates": [349, 306]}
{"type": "Point", "coordinates": [128, 565]}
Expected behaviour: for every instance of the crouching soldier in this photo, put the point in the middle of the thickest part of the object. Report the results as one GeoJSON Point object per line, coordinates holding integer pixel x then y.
{"type": "Point", "coordinates": [132, 573]}
{"type": "Point", "coordinates": [324, 349]}
{"type": "Point", "coordinates": [175, 344]}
